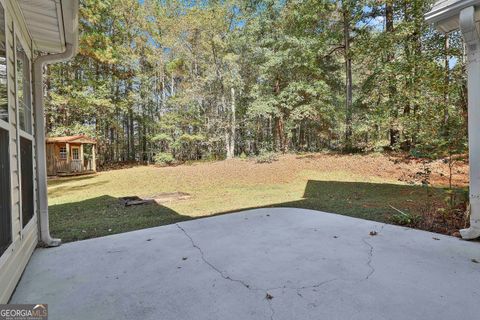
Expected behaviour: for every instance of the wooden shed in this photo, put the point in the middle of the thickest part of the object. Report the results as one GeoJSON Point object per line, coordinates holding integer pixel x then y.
{"type": "Point", "coordinates": [71, 155]}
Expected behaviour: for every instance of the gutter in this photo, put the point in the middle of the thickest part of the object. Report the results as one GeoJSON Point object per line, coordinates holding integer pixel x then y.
{"type": "Point", "coordinates": [41, 170]}
{"type": "Point", "coordinates": [445, 18]}
{"type": "Point", "coordinates": [448, 11]}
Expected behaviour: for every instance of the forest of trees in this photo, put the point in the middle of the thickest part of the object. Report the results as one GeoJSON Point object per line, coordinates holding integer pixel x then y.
{"type": "Point", "coordinates": [206, 79]}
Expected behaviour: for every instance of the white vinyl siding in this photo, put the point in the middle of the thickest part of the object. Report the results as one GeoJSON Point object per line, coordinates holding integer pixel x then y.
{"type": "Point", "coordinates": [24, 235]}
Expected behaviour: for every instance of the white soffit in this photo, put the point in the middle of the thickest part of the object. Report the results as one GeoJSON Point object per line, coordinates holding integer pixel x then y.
{"type": "Point", "coordinates": [50, 23]}
{"type": "Point", "coordinates": [445, 13]}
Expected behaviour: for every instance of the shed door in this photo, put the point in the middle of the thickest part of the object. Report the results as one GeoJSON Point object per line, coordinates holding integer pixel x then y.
{"type": "Point", "coordinates": [5, 193]}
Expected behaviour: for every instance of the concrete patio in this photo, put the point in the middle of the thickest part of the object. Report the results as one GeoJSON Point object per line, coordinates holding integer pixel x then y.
{"type": "Point", "coordinates": [259, 264]}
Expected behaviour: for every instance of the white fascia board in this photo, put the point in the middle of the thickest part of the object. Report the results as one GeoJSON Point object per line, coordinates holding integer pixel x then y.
{"type": "Point", "coordinates": [60, 16]}
{"type": "Point", "coordinates": [446, 17]}
{"type": "Point", "coordinates": [70, 22]}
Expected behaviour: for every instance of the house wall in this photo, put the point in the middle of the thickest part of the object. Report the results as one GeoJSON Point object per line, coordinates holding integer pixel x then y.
{"type": "Point", "coordinates": [24, 239]}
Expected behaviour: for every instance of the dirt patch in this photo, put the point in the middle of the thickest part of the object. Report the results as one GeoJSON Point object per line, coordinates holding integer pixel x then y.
{"type": "Point", "coordinates": [395, 167]}
{"type": "Point", "coordinates": [135, 201]}
{"type": "Point", "coordinates": [170, 196]}
{"type": "Point", "coordinates": [156, 199]}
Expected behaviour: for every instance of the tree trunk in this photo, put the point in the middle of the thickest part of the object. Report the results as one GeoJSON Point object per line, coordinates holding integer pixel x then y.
{"type": "Point", "coordinates": [144, 139]}
{"type": "Point", "coordinates": [131, 154]}
{"type": "Point", "coordinates": [282, 135]}
{"type": "Point", "coordinates": [164, 92]}
{"type": "Point", "coordinates": [446, 97]}
{"type": "Point", "coordinates": [394, 133]}
{"type": "Point", "coordinates": [348, 79]}
{"type": "Point", "coordinates": [126, 151]}
{"type": "Point", "coordinates": [417, 42]}
{"type": "Point", "coordinates": [231, 130]}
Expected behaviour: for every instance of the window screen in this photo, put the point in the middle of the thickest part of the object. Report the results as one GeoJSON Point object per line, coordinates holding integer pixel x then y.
{"type": "Point", "coordinates": [63, 153]}
{"type": "Point", "coordinates": [5, 195]}
{"type": "Point", "coordinates": [26, 159]}
{"type": "Point", "coordinates": [75, 154]}
{"type": "Point", "coordinates": [23, 89]}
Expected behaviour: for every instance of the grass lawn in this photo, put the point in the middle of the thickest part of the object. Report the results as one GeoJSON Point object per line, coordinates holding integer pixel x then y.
{"type": "Point", "coordinates": [364, 186]}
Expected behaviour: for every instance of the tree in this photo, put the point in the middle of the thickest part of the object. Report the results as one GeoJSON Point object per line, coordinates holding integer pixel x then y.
{"type": "Point", "coordinates": [215, 79]}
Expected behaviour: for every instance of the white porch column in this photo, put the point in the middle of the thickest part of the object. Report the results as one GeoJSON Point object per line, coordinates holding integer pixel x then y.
{"type": "Point", "coordinates": [471, 37]}
{"type": "Point", "coordinates": [69, 160]}
{"type": "Point", "coordinates": [94, 157]}
{"type": "Point", "coordinates": [81, 158]}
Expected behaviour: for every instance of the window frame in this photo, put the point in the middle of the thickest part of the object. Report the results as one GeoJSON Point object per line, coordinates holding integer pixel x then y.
{"type": "Point", "coordinates": [32, 160]}
{"type": "Point", "coordinates": [78, 153]}
{"type": "Point", "coordinates": [26, 78]}
{"type": "Point", "coordinates": [17, 38]}
{"type": "Point", "coordinates": [60, 153]}
{"type": "Point", "coordinates": [8, 248]}
{"type": "Point", "coordinates": [6, 125]}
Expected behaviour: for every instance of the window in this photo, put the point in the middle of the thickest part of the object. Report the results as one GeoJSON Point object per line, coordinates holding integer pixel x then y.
{"type": "Point", "coordinates": [5, 212]}
{"type": "Point", "coordinates": [26, 157]}
{"type": "Point", "coordinates": [75, 154]}
{"type": "Point", "coordinates": [23, 88]}
{"type": "Point", "coordinates": [63, 153]}
{"type": "Point", "coordinates": [3, 69]}
{"type": "Point", "coordinates": [5, 192]}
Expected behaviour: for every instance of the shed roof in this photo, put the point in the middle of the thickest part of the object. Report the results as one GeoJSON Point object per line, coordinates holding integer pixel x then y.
{"type": "Point", "coordinates": [51, 23]}
{"type": "Point", "coordinates": [72, 139]}
{"type": "Point", "coordinates": [445, 13]}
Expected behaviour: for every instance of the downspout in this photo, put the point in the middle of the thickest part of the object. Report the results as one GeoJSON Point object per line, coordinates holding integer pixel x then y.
{"type": "Point", "coordinates": [471, 36]}
{"type": "Point", "coordinates": [42, 194]}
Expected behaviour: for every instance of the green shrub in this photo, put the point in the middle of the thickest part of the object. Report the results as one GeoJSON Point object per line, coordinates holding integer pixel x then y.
{"type": "Point", "coordinates": [406, 219]}
{"type": "Point", "coordinates": [187, 138]}
{"type": "Point", "coordinates": [164, 159]}
{"type": "Point", "coordinates": [266, 157]}
{"type": "Point", "coordinates": [162, 137]}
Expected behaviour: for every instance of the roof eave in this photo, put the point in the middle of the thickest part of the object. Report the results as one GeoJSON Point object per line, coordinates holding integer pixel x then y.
{"type": "Point", "coordinates": [60, 15]}
{"type": "Point", "coordinates": [446, 19]}
{"type": "Point", "coordinates": [51, 39]}
{"type": "Point", "coordinates": [70, 13]}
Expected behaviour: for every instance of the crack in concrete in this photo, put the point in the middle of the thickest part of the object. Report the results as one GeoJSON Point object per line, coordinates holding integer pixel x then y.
{"type": "Point", "coordinates": [227, 277]}
{"type": "Point", "coordinates": [211, 265]}
{"type": "Point", "coordinates": [370, 255]}
{"type": "Point", "coordinates": [272, 310]}
{"type": "Point", "coordinates": [267, 290]}
{"type": "Point", "coordinates": [318, 285]}
{"type": "Point", "coordinates": [370, 258]}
